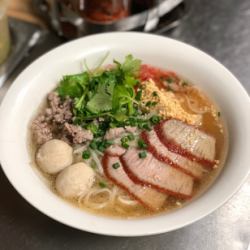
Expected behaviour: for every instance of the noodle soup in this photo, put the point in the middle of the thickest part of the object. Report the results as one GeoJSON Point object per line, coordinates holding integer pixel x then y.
{"type": "Point", "coordinates": [128, 140]}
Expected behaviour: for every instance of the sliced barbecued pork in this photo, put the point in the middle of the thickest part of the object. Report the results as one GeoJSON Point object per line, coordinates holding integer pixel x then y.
{"type": "Point", "coordinates": [158, 149]}
{"type": "Point", "coordinates": [115, 150]}
{"type": "Point", "coordinates": [187, 140]}
{"type": "Point", "coordinates": [114, 133]}
{"type": "Point", "coordinates": [147, 196]}
{"type": "Point", "coordinates": [156, 174]}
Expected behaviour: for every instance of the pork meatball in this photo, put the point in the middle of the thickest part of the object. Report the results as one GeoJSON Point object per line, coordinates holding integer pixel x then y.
{"type": "Point", "coordinates": [75, 180]}
{"type": "Point", "coordinates": [54, 155]}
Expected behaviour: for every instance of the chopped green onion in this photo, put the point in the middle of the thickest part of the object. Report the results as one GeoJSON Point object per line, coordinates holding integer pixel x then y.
{"type": "Point", "coordinates": [101, 147]}
{"type": "Point", "coordinates": [102, 184]}
{"type": "Point", "coordinates": [125, 145]}
{"type": "Point", "coordinates": [142, 144]}
{"type": "Point", "coordinates": [146, 126]}
{"type": "Point", "coordinates": [154, 94]}
{"type": "Point", "coordinates": [169, 88]}
{"type": "Point", "coordinates": [93, 145]}
{"type": "Point", "coordinates": [132, 121]}
{"type": "Point", "coordinates": [150, 104]}
{"type": "Point", "coordinates": [131, 137]}
{"type": "Point", "coordinates": [107, 143]}
{"type": "Point", "coordinates": [184, 84]}
{"type": "Point", "coordinates": [155, 119]}
{"type": "Point", "coordinates": [116, 165]}
{"type": "Point", "coordinates": [140, 124]}
{"type": "Point", "coordinates": [142, 154]}
{"type": "Point", "coordinates": [170, 80]}
{"type": "Point", "coordinates": [86, 154]}
{"type": "Point", "coordinates": [124, 139]}
{"type": "Point", "coordinates": [143, 124]}
{"type": "Point", "coordinates": [93, 128]}
{"type": "Point", "coordinates": [138, 95]}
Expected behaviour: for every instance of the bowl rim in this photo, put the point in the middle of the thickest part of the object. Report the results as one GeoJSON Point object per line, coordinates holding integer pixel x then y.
{"type": "Point", "coordinates": [113, 35]}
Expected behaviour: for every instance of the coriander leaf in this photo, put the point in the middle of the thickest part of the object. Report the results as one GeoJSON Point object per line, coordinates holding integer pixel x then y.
{"type": "Point", "coordinates": [99, 103]}
{"type": "Point", "coordinates": [92, 127]}
{"type": "Point", "coordinates": [116, 101]}
{"type": "Point", "coordinates": [131, 66]}
{"type": "Point", "coordinates": [102, 100]}
{"type": "Point", "coordinates": [79, 102]}
{"type": "Point", "coordinates": [121, 96]}
{"type": "Point", "coordinates": [71, 89]}
{"type": "Point", "coordinates": [72, 85]}
{"type": "Point", "coordinates": [120, 117]}
{"type": "Point", "coordinates": [130, 81]}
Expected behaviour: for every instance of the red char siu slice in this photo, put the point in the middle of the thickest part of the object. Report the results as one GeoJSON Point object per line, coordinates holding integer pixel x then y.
{"type": "Point", "coordinates": [156, 174]}
{"type": "Point", "coordinates": [157, 148]}
{"type": "Point", "coordinates": [147, 196]}
{"type": "Point", "coordinates": [187, 141]}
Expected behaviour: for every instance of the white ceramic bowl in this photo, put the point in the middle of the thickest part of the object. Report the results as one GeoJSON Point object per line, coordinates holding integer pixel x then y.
{"type": "Point", "coordinates": [32, 85]}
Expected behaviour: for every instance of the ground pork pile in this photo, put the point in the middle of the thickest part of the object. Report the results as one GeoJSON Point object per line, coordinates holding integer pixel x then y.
{"type": "Point", "coordinates": [56, 122]}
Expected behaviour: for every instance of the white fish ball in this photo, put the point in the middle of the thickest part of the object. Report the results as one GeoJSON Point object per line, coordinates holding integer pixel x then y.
{"type": "Point", "coordinates": [54, 155]}
{"type": "Point", "coordinates": [75, 180]}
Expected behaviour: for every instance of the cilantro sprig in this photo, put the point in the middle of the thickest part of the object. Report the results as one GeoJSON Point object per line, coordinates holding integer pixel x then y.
{"type": "Point", "coordinates": [103, 92]}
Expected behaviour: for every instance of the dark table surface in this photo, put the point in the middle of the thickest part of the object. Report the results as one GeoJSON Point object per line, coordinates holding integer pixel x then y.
{"type": "Point", "coordinates": [220, 28]}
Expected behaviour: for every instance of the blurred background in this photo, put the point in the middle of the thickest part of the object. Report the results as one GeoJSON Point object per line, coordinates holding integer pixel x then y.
{"type": "Point", "coordinates": [31, 20]}
{"type": "Point", "coordinates": [29, 28]}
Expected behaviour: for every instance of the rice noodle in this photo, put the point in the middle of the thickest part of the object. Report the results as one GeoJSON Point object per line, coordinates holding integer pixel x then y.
{"type": "Point", "coordinates": [113, 195]}
{"type": "Point", "coordinates": [99, 153]}
{"type": "Point", "coordinates": [97, 161]}
{"type": "Point", "coordinates": [126, 200]}
{"type": "Point", "coordinates": [98, 176]}
{"type": "Point", "coordinates": [94, 192]}
{"type": "Point", "coordinates": [80, 149]}
{"type": "Point", "coordinates": [193, 106]}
